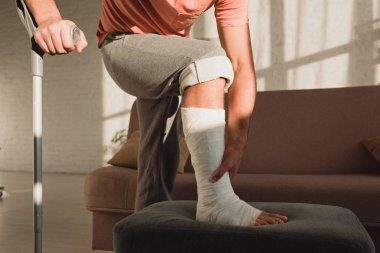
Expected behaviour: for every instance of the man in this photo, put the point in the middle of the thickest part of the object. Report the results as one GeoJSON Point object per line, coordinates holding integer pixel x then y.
{"type": "Point", "coordinates": [147, 51]}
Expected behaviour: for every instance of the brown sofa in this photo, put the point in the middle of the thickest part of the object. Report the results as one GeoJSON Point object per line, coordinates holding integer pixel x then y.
{"type": "Point", "coordinates": [304, 146]}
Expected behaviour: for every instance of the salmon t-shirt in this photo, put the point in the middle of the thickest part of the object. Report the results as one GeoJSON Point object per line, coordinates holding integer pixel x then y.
{"type": "Point", "coordinates": [166, 17]}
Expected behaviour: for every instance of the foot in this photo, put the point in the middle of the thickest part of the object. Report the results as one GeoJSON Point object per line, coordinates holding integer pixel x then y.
{"type": "Point", "coordinates": [234, 211]}
{"type": "Point", "coordinates": [266, 218]}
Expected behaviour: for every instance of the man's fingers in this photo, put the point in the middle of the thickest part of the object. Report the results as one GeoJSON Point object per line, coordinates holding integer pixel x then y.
{"type": "Point", "coordinates": [57, 40]}
{"type": "Point", "coordinates": [41, 42]}
{"type": "Point", "coordinates": [67, 41]}
{"type": "Point", "coordinates": [49, 42]}
{"type": "Point", "coordinates": [82, 43]}
{"type": "Point", "coordinates": [217, 174]}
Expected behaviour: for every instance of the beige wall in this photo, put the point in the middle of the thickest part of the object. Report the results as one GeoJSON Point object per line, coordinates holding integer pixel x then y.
{"type": "Point", "coordinates": [297, 44]}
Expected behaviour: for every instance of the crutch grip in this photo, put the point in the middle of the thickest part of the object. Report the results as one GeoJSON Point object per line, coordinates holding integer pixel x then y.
{"type": "Point", "coordinates": [36, 48]}
{"type": "Point", "coordinates": [30, 24]}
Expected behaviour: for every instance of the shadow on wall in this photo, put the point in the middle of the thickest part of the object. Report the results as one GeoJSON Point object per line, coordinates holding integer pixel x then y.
{"type": "Point", "coordinates": [312, 44]}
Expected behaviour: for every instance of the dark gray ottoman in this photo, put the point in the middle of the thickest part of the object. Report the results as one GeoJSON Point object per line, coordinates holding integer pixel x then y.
{"type": "Point", "coordinates": [170, 226]}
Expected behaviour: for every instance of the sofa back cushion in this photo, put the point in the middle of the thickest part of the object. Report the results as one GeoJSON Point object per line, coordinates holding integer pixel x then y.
{"type": "Point", "coordinates": [313, 131]}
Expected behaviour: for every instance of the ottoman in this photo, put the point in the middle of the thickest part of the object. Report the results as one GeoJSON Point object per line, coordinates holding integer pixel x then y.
{"type": "Point", "coordinates": [170, 226]}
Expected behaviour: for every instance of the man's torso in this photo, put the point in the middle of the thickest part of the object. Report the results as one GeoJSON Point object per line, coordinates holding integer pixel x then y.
{"type": "Point", "coordinates": [167, 17]}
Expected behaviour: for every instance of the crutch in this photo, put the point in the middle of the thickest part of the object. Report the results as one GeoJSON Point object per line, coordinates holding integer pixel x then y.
{"type": "Point", "coordinates": [37, 72]}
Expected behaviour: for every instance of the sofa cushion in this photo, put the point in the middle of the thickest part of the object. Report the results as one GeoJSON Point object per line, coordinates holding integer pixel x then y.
{"type": "Point", "coordinates": [127, 156]}
{"type": "Point", "coordinates": [373, 146]}
{"type": "Point", "coordinates": [358, 192]}
{"type": "Point", "coordinates": [111, 188]}
{"type": "Point", "coordinates": [313, 131]}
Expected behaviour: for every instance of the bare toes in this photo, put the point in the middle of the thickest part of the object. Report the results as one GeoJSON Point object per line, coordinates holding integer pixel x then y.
{"type": "Point", "coordinates": [263, 222]}
{"type": "Point", "coordinates": [279, 221]}
{"type": "Point", "coordinates": [266, 218]}
{"type": "Point", "coordinates": [283, 217]}
{"type": "Point", "coordinates": [272, 221]}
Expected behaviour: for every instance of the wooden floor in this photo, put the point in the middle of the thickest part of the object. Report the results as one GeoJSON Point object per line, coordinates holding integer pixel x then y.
{"type": "Point", "coordinates": [66, 222]}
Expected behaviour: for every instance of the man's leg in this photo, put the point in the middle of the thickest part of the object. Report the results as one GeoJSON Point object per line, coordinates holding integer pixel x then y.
{"type": "Point", "coordinates": [157, 161]}
{"type": "Point", "coordinates": [149, 66]}
{"type": "Point", "coordinates": [171, 149]}
{"type": "Point", "coordinates": [203, 119]}
{"type": "Point", "coordinates": [153, 67]}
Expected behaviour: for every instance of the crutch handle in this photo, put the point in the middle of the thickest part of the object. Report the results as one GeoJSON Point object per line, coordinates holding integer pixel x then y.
{"type": "Point", "coordinates": [30, 24]}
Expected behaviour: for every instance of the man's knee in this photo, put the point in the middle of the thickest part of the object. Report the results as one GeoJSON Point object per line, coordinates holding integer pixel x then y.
{"type": "Point", "coordinates": [212, 65]}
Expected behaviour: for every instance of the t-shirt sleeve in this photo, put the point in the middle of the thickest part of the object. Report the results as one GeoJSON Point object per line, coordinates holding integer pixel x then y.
{"type": "Point", "coordinates": [231, 12]}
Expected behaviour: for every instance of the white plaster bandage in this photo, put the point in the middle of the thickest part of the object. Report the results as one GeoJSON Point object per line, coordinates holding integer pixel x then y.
{"type": "Point", "coordinates": [207, 69]}
{"type": "Point", "coordinates": [204, 130]}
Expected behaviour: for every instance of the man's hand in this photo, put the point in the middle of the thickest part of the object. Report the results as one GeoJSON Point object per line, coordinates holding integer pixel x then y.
{"type": "Point", "coordinates": [54, 36]}
{"type": "Point", "coordinates": [232, 156]}
{"type": "Point", "coordinates": [241, 97]}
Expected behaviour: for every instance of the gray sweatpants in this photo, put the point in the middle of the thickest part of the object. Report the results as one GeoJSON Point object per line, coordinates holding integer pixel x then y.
{"type": "Point", "coordinates": [157, 69]}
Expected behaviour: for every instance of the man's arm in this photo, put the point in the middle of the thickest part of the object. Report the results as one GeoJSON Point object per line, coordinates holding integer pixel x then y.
{"type": "Point", "coordinates": [53, 33]}
{"type": "Point", "coordinates": [43, 10]}
{"type": "Point", "coordinates": [242, 94]}
{"type": "Point", "coordinates": [241, 97]}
